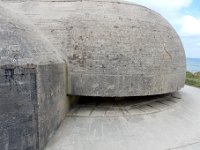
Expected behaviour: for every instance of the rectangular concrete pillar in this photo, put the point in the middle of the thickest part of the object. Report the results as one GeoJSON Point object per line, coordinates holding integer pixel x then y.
{"type": "Point", "coordinates": [18, 109]}
{"type": "Point", "coordinates": [33, 103]}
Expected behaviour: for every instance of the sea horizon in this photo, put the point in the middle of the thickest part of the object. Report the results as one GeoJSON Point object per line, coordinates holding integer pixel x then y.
{"type": "Point", "coordinates": [193, 64]}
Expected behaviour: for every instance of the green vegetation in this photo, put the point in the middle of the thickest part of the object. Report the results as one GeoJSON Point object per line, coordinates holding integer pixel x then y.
{"type": "Point", "coordinates": [193, 79]}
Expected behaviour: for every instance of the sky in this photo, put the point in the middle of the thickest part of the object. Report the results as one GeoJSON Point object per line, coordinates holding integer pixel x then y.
{"type": "Point", "coordinates": [184, 16]}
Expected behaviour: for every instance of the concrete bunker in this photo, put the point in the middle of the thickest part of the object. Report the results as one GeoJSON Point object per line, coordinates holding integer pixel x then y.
{"type": "Point", "coordinates": [99, 48]}
{"type": "Point", "coordinates": [119, 49]}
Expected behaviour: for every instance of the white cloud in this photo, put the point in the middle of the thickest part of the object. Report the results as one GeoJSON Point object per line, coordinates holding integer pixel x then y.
{"type": "Point", "coordinates": [164, 4]}
{"type": "Point", "coordinates": [165, 7]}
{"type": "Point", "coordinates": [170, 9]}
{"type": "Point", "coordinates": [190, 26]}
{"type": "Point", "coordinates": [176, 12]}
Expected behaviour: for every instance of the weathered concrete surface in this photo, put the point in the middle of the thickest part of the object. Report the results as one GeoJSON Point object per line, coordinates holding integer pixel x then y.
{"type": "Point", "coordinates": [176, 127]}
{"type": "Point", "coordinates": [93, 48]}
{"type": "Point", "coordinates": [111, 48]}
{"type": "Point", "coordinates": [18, 109]}
{"type": "Point", "coordinates": [33, 85]}
{"type": "Point", "coordinates": [52, 100]}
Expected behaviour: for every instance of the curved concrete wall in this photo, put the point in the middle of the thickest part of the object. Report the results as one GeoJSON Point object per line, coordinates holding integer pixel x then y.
{"type": "Point", "coordinates": [112, 48]}
{"type": "Point", "coordinates": [118, 49]}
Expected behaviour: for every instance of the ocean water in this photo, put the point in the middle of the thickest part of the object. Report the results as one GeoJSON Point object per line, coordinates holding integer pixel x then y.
{"type": "Point", "coordinates": [193, 64]}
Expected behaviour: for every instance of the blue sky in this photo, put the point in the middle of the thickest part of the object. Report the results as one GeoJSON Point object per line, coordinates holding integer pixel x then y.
{"type": "Point", "coordinates": [184, 15]}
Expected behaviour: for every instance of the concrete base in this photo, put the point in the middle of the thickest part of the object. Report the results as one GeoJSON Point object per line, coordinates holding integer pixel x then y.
{"type": "Point", "coordinates": [168, 123]}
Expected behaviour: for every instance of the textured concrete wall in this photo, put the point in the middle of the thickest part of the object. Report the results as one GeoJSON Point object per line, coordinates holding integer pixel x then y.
{"type": "Point", "coordinates": [52, 99]}
{"type": "Point", "coordinates": [112, 48]}
{"type": "Point", "coordinates": [117, 49]}
{"type": "Point", "coordinates": [33, 103]}
{"type": "Point", "coordinates": [18, 109]}
{"type": "Point", "coordinates": [33, 85]}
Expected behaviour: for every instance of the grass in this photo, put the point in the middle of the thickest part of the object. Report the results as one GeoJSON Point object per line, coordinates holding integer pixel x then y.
{"type": "Point", "coordinates": [192, 79]}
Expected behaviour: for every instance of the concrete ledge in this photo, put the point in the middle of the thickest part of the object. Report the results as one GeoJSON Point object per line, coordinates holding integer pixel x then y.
{"type": "Point", "coordinates": [150, 126]}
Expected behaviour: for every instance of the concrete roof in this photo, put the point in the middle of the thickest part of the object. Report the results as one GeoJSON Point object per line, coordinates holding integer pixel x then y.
{"type": "Point", "coordinates": [22, 43]}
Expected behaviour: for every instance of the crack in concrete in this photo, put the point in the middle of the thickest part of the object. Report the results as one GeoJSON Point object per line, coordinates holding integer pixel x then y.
{"type": "Point", "coordinates": [184, 145]}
